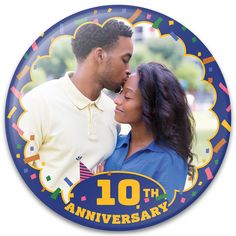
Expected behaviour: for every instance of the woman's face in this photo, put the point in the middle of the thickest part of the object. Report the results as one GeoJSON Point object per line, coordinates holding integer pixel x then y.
{"type": "Point", "coordinates": [129, 102]}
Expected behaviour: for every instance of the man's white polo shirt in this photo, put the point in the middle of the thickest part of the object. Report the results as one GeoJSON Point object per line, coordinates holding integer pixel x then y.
{"type": "Point", "coordinates": [66, 125]}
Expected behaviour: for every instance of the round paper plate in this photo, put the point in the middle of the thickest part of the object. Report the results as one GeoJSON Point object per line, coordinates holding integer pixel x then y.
{"type": "Point", "coordinates": [123, 200]}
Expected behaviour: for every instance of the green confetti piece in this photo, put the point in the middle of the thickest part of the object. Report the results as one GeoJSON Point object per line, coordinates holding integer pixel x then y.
{"type": "Point", "coordinates": [157, 23]}
{"type": "Point", "coordinates": [160, 197]}
{"type": "Point", "coordinates": [26, 56]}
{"type": "Point", "coordinates": [194, 40]}
{"type": "Point", "coordinates": [48, 178]}
{"type": "Point", "coordinates": [194, 194]}
{"type": "Point", "coordinates": [18, 146]}
{"type": "Point", "coordinates": [216, 162]}
{"type": "Point", "coordinates": [55, 194]}
{"type": "Point", "coordinates": [183, 28]}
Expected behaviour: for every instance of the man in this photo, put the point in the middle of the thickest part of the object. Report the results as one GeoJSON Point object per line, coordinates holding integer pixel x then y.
{"type": "Point", "coordinates": [70, 119]}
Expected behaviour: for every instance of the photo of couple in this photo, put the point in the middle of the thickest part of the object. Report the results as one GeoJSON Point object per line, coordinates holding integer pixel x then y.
{"type": "Point", "coordinates": [72, 117]}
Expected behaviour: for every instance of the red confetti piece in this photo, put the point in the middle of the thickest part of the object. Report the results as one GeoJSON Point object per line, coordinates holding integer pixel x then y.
{"type": "Point", "coordinates": [20, 132]}
{"type": "Point", "coordinates": [209, 173]}
{"type": "Point", "coordinates": [34, 46]}
{"type": "Point", "coordinates": [16, 92]}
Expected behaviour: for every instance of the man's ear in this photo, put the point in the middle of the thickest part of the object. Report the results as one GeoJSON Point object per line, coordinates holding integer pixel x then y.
{"type": "Point", "coordinates": [99, 55]}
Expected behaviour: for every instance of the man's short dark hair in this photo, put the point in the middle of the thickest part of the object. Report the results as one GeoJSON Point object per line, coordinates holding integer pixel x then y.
{"type": "Point", "coordinates": [91, 35]}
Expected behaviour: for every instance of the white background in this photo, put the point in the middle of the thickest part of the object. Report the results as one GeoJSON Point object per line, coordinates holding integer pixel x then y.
{"type": "Point", "coordinates": [22, 22]}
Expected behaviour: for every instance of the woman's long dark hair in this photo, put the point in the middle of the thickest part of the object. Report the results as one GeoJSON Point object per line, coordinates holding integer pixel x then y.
{"type": "Point", "coordinates": [165, 110]}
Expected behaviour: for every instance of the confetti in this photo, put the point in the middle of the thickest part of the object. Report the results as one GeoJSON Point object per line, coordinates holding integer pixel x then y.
{"type": "Point", "coordinates": [171, 22]}
{"type": "Point", "coordinates": [18, 146]}
{"type": "Point", "coordinates": [85, 173]}
{"type": "Point", "coordinates": [146, 200]}
{"type": "Point", "coordinates": [208, 173]}
{"type": "Point", "coordinates": [157, 23]}
{"type": "Point", "coordinates": [23, 73]}
{"type": "Point", "coordinates": [137, 207]}
{"type": "Point", "coordinates": [219, 145]}
{"type": "Point", "coordinates": [48, 178]}
{"type": "Point", "coordinates": [199, 54]}
{"type": "Point", "coordinates": [207, 150]}
{"type": "Point", "coordinates": [26, 56]}
{"type": "Point", "coordinates": [109, 10]}
{"type": "Point", "coordinates": [96, 21]}
{"type": "Point", "coordinates": [223, 88]}
{"type": "Point", "coordinates": [200, 183]}
{"type": "Point", "coordinates": [55, 194]}
{"type": "Point", "coordinates": [149, 16]}
{"type": "Point", "coordinates": [31, 148]}
{"type": "Point", "coordinates": [43, 190]}
{"type": "Point", "coordinates": [32, 137]}
{"type": "Point", "coordinates": [174, 36]}
{"type": "Point", "coordinates": [68, 181]}
{"type": "Point", "coordinates": [12, 111]}
{"type": "Point", "coordinates": [194, 40]}
{"type": "Point", "coordinates": [20, 132]}
{"type": "Point", "coordinates": [34, 46]}
{"type": "Point", "coordinates": [83, 198]}
{"type": "Point", "coordinates": [33, 176]}
{"type": "Point", "coordinates": [216, 161]}
{"type": "Point", "coordinates": [95, 12]}
{"type": "Point", "coordinates": [183, 200]}
{"type": "Point", "coordinates": [194, 194]}
{"type": "Point", "coordinates": [226, 125]}
{"type": "Point", "coordinates": [210, 80]}
{"type": "Point", "coordinates": [16, 92]}
{"type": "Point", "coordinates": [18, 155]}
{"type": "Point", "coordinates": [183, 28]}
{"type": "Point", "coordinates": [26, 170]}
{"type": "Point", "coordinates": [160, 197]}
{"type": "Point", "coordinates": [136, 14]}
{"type": "Point", "coordinates": [228, 109]}
{"type": "Point", "coordinates": [31, 158]}
{"type": "Point", "coordinates": [208, 60]}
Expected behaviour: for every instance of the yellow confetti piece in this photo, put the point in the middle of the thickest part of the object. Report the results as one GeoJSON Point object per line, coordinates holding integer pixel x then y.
{"type": "Point", "coordinates": [136, 14]}
{"type": "Point", "coordinates": [138, 207]}
{"type": "Point", "coordinates": [23, 73]}
{"type": "Point", "coordinates": [109, 10]}
{"type": "Point", "coordinates": [71, 195]}
{"type": "Point", "coordinates": [200, 183]}
{"type": "Point", "coordinates": [199, 54]}
{"type": "Point", "coordinates": [171, 22]}
{"type": "Point", "coordinates": [12, 111]}
{"type": "Point", "coordinates": [18, 155]}
{"type": "Point", "coordinates": [42, 34]}
{"type": "Point", "coordinates": [225, 124]}
{"type": "Point", "coordinates": [95, 12]}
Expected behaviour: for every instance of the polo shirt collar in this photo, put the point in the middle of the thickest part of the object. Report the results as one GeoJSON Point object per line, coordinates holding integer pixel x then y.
{"type": "Point", "coordinates": [77, 98]}
{"type": "Point", "coordinates": [124, 141]}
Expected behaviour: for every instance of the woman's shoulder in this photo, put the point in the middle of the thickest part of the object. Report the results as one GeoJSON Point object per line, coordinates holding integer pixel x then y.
{"type": "Point", "coordinates": [169, 155]}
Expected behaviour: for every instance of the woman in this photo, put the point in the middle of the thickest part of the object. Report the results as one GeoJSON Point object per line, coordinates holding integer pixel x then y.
{"type": "Point", "coordinates": [159, 143]}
